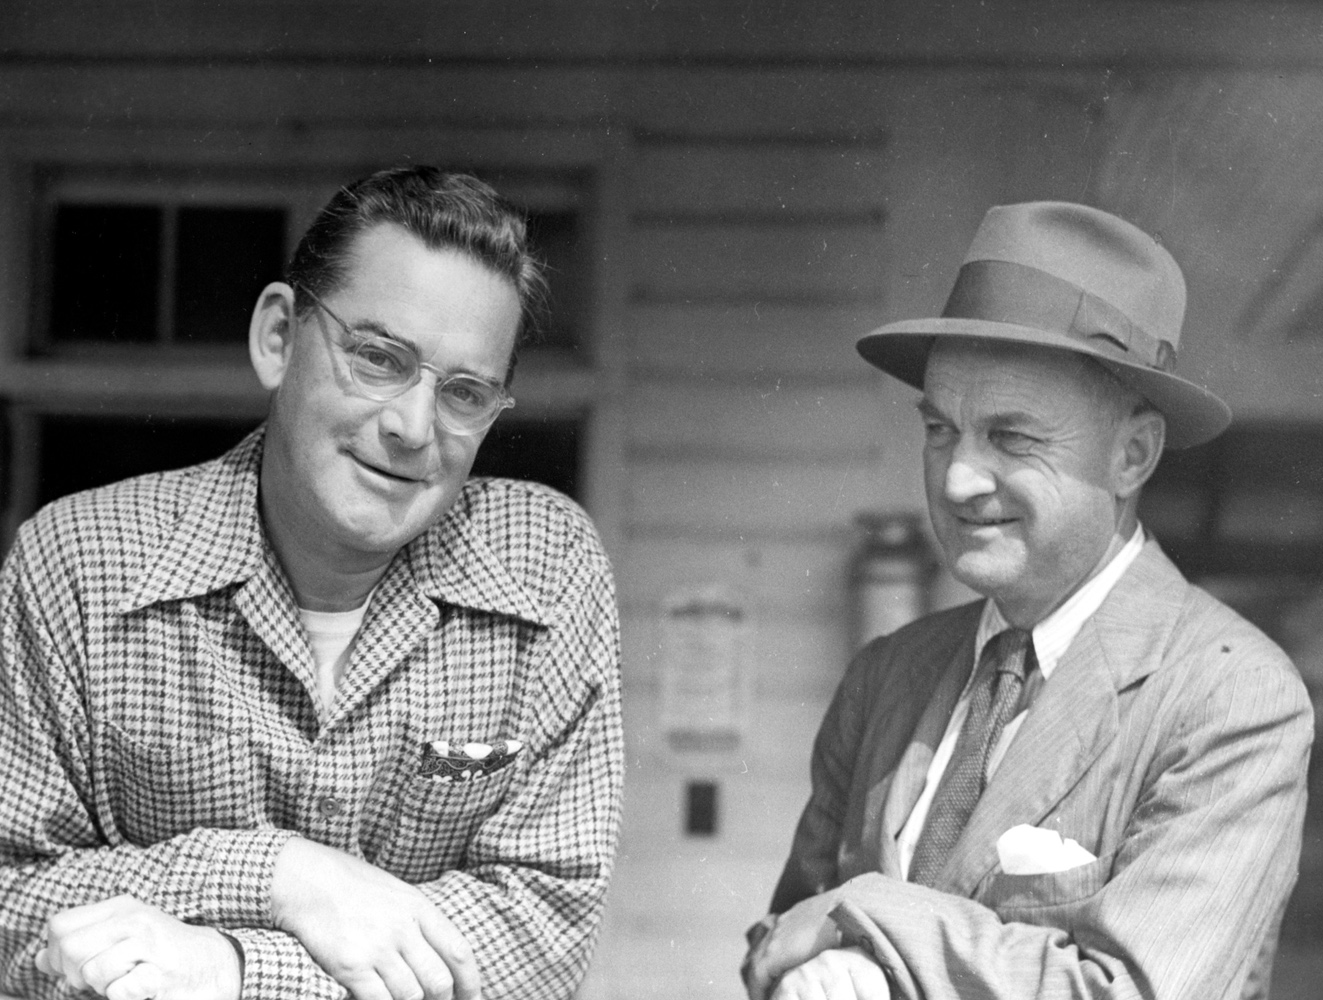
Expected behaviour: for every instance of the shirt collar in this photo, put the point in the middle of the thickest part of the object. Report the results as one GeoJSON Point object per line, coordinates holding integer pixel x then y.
{"type": "Point", "coordinates": [219, 541]}
{"type": "Point", "coordinates": [1054, 634]}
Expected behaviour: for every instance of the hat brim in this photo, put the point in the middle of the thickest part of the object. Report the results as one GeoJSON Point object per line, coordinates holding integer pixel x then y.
{"type": "Point", "coordinates": [1193, 414]}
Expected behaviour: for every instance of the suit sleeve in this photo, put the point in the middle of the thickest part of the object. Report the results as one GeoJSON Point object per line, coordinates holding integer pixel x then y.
{"type": "Point", "coordinates": [812, 865]}
{"type": "Point", "coordinates": [1186, 901]}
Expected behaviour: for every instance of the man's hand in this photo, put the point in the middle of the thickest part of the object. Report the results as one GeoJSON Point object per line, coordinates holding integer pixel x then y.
{"type": "Point", "coordinates": [799, 934]}
{"type": "Point", "coordinates": [835, 974]}
{"type": "Point", "coordinates": [375, 934]}
{"type": "Point", "coordinates": [125, 949]}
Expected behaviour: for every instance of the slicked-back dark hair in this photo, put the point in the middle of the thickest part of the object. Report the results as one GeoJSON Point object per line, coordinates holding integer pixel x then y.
{"type": "Point", "coordinates": [444, 210]}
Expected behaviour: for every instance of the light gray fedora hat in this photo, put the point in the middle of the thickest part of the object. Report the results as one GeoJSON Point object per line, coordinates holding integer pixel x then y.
{"type": "Point", "coordinates": [1071, 278]}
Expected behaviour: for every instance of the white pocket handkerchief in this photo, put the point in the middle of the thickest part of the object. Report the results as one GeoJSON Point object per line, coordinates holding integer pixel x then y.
{"type": "Point", "coordinates": [1031, 850]}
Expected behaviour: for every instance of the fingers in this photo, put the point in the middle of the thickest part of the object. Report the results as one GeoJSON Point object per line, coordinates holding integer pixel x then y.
{"type": "Point", "coordinates": [454, 950]}
{"type": "Point", "coordinates": [835, 974]}
{"type": "Point", "coordinates": [410, 968]}
{"type": "Point", "coordinates": [415, 973]}
{"type": "Point", "coordinates": [125, 949]}
{"type": "Point", "coordinates": [432, 974]}
{"type": "Point", "coordinates": [108, 966]}
{"type": "Point", "coordinates": [73, 940]}
{"type": "Point", "coordinates": [757, 983]}
{"type": "Point", "coordinates": [794, 988]}
{"type": "Point", "coordinates": [399, 980]}
{"type": "Point", "coordinates": [143, 982]}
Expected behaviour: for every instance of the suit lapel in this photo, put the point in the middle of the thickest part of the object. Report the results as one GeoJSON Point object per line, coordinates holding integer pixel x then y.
{"type": "Point", "coordinates": [1071, 722]}
{"type": "Point", "coordinates": [907, 781]}
{"type": "Point", "coordinates": [1075, 715]}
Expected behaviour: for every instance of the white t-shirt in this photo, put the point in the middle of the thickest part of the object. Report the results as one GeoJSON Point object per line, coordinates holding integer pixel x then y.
{"type": "Point", "coordinates": [332, 635]}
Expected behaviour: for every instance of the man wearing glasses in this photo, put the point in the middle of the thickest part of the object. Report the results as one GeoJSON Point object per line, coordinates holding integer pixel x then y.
{"type": "Point", "coordinates": [324, 714]}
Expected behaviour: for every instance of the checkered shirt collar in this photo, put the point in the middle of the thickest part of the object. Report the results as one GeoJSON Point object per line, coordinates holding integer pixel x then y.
{"type": "Point", "coordinates": [220, 541]}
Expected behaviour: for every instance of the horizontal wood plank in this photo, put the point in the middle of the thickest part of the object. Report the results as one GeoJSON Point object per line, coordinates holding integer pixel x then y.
{"type": "Point", "coordinates": [269, 96]}
{"type": "Point", "coordinates": [752, 340]}
{"type": "Point", "coordinates": [786, 499]}
{"type": "Point", "coordinates": [223, 383]}
{"type": "Point", "coordinates": [1065, 31]}
{"type": "Point", "coordinates": [764, 178]}
{"type": "Point", "coordinates": [827, 263]}
{"type": "Point", "coordinates": [335, 151]}
{"type": "Point", "coordinates": [845, 107]}
{"type": "Point", "coordinates": [772, 418]}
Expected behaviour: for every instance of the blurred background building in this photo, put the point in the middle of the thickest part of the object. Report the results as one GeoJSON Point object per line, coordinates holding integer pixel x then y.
{"type": "Point", "coordinates": [729, 194]}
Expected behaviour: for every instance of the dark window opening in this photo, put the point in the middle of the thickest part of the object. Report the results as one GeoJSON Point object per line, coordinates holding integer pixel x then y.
{"type": "Point", "coordinates": [1250, 501]}
{"type": "Point", "coordinates": [111, 282]}
{"type": "Point", "coordinates": [700, 814]}
{"type": "Point", "coordinates": [106, 262]}
{"type": "Point", "coordinates": [226, 256]}
{"type": "Point", "coordinates": [79, 453]}
{"type": "Point", "coordinates": [558, 242]}
{"type": "Point", "coordinates": [545, 451]}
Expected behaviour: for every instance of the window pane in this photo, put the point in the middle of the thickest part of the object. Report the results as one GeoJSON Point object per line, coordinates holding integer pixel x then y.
{"type": "Point", "coordinates": [226, 257]}
{"type": "Point", "coordinates": [106, 261]}
{"type": "Point", "coordinates": [545, 451]}
{"type": "Point", "coordinates": [555, 238]}
{"type": "Point", "coordinates": [78, 453]}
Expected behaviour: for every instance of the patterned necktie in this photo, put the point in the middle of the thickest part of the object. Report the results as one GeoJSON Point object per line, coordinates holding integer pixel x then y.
{"type": "Point", "coordinates": [1006, 659]}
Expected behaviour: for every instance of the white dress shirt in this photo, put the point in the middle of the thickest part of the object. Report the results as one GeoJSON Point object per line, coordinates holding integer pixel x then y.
{"type": "Point", "coordinates": [1051, 638]}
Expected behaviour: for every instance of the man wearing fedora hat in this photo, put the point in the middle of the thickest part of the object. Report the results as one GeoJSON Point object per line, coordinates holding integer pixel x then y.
{"type": "Point", "coordinates": [1092, 782]}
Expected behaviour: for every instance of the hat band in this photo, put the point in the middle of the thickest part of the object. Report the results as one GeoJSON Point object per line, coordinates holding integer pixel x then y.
{"type": "Point", "coordinates": [1001, 291]}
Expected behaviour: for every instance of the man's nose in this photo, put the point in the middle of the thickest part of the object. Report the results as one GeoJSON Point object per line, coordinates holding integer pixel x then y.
{"type": "Point", "coordinates": [969, 474]}
{"type": "Point", "coordinates": [411, 416]}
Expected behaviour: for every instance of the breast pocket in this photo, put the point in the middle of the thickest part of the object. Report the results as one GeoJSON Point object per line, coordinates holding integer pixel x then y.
{"type": "Point", "coordinates": [1019, 897]}
{"type": "Point", "coordinates": [156, 792]}
{"type": "Point", "coordinates": [436, 821]}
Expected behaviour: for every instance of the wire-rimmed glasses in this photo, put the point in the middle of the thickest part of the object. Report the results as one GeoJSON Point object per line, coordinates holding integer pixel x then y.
{"type": "Point", "coordinates": [383, 369]}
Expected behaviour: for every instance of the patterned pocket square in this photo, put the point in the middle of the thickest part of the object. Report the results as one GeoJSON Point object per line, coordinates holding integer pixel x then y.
{"type": "Point", "coordinates": [446, 762]}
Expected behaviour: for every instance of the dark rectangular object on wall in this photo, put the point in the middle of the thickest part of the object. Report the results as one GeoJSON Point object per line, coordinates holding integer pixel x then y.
{"type": "Point", "coordinates": [700, 816]}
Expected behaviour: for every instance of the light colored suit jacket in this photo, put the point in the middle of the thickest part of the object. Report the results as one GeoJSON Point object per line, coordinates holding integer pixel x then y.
{"type": "Point", "coordinates": [1171, 742]}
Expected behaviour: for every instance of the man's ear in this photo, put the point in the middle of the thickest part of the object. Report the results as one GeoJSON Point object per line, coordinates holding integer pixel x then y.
{"type": "Point", "coordinates": [271, 334]}
{"type": "Point", "coordinates": [1139, 447]}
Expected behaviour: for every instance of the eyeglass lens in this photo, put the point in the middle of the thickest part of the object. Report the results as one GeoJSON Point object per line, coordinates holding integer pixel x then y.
{"type": "Point", "coordinates": [383, 369]}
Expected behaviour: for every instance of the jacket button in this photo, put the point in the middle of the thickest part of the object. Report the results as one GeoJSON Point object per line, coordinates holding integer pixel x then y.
{"type": "Point", "coordinates": [329, 806]}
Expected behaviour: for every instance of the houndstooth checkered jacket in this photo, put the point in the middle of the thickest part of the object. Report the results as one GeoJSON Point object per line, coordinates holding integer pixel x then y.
{"type": "Point", "coordinates": [159, 733]}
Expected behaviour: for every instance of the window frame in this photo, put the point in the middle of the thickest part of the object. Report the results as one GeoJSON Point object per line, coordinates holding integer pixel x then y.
{"type": "Point", "coordinates": [204, 381]}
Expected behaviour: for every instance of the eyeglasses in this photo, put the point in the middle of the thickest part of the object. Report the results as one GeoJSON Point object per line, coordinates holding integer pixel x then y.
{"type": "Point", "coordinates": [384, 369]}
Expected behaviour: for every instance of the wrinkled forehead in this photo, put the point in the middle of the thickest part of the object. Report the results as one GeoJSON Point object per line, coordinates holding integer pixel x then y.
{"type": "Point", "coordinates": [996, 373]}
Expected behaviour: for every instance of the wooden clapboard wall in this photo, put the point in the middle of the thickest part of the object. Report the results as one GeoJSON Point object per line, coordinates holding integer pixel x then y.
{"type": "Point", "coordinates": [765, 185]}
{"type": "Point", "coordinates": [755, 434]}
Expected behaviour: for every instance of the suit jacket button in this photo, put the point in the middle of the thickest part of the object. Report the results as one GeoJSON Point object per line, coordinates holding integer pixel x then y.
{"type": "Point", "coordinates": [329, 806]}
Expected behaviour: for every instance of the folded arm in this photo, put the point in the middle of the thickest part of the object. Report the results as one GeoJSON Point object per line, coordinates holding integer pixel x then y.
{"type": "Point", "coordinates": [1186, 901]}
{"type": "Point", "coordinates": [522, 909]}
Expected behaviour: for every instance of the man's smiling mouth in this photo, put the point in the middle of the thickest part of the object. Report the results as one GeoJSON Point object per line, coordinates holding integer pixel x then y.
{"type": "Point", "coordinates": [386, 473]}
